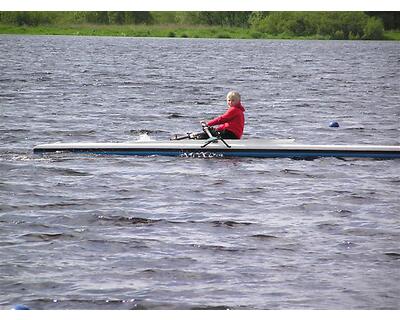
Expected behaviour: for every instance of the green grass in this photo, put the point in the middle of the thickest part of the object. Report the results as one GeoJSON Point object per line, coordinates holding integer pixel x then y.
{"type": "Point", "coordinates": [173, 31]}
{"type": "Point", "coordinates": [392, 35]}
{"type": "Point", "coordinates": [177, 31]}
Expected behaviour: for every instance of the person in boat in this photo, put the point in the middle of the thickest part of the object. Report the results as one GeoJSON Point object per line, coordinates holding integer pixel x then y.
{"type": "Point", "coordinates": [231, 123]}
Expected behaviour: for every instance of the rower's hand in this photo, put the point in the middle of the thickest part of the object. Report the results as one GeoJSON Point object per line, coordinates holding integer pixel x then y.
{"type": "Point", "coordinates": [203, 123]}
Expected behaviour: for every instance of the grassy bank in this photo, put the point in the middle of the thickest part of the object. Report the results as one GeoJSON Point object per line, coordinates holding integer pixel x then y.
{"type": "Point", "coordinates": [171, 30]}
{"type": "Point", "coordinates": [392, 35]}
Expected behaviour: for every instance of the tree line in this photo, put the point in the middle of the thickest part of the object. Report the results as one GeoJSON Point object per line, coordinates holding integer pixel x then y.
{"type": "Point", "coordinates": [334, 25]}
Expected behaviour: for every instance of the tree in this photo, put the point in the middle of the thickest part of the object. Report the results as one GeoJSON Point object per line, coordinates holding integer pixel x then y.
{"type": "Point", "coordinates": [28, 18]}
{"type": "Point", "coordinates": [138, 17]}
{"type": "Point", "coordinates": [218, 18]}
{"type": "Point", "coordinates": [373, 30]}
{"type": "Point", "coordinates": [272, 23]}
{"type": "Point", "coordinates": [301, 24]}
{"type": "Point", "coordinates": [100, 17]}
{"type": "Point", "coordinates": [390, 19]}
{"type": "Point", "coordinates": [116, 17]}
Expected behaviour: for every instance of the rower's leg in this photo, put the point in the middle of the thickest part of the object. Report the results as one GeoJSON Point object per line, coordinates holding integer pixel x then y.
{"type": "Point", "coordinates": [200, 136]}
{"type": "Point", "coordinates": [226, 134]}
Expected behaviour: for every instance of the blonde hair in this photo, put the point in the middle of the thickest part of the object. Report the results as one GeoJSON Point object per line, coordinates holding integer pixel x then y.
{"type": "Point", "coordinates": [233, 94]}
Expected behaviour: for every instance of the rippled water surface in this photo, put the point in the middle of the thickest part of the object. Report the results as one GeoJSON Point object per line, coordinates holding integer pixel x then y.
{"type": "Point", "coordinates": [110, 232]}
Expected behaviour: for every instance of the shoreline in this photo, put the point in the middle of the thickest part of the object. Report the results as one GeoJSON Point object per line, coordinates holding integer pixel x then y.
{"type": "Point", "coordinates": [164, 31]}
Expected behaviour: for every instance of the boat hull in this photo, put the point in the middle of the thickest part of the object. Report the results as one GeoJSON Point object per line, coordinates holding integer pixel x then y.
{"type": "Point", "coordinates": [238, 148]}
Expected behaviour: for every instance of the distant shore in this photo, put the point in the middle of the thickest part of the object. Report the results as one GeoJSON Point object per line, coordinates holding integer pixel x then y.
{"type": "Point", "coordinates": [166, 31]}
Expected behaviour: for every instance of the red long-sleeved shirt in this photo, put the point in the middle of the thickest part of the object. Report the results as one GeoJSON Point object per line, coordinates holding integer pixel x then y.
{"type": "Point", "coordinates": [232, 120]}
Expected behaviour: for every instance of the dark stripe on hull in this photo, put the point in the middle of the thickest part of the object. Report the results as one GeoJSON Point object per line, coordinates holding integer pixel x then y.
{"type": "Point", "coordinates": [256, 153]}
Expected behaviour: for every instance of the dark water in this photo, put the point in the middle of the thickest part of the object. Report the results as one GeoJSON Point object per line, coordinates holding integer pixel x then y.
{"type": "Point", "coordinates": [107, 232]}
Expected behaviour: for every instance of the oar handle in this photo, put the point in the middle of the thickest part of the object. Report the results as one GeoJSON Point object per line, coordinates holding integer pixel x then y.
{"type": "Point", "coordinates": [207, 130]}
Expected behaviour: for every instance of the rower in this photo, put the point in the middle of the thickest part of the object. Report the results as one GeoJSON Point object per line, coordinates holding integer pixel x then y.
{"type": "Point", "coordinates": [231, 123]}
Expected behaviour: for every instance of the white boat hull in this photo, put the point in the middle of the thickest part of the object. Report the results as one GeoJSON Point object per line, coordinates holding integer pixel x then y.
{"type": "Point", "coordinates": [259, 148]}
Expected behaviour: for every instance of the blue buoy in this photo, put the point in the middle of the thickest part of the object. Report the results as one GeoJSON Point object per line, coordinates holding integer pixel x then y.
{"type": "Point", "coordinates": [334, 124]}
{"type": "Point", "coordinates": [20, 307]}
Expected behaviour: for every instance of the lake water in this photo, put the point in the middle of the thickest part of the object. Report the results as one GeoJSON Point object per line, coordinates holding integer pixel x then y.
{"type": "Point", "coordinates": [113, 232]}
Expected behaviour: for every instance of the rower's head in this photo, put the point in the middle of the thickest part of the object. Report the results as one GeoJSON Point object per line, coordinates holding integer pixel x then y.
{"type": "Point", "coordinates": [233, 98]}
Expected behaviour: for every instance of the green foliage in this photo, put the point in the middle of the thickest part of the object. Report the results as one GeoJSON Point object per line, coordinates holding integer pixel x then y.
{"type": "Point", "coordinates": [353, 36]}
{"type": "Point", "coordinates": [224, 24]}
{"type": "Point", "coordinates": [96, 17]}
{"type": "Point", "coordinates": [302, 24]}
{"type": "Point", "coordinates": [352, 22]}
{"type": "Point", "coordinates": [373, 30]}
{"type": "Point", "coordinates": [336, 25]}
{"type": "Point", "coordinates": [116, 17]}
{"type": "Point", "coordinates": [138, 17]}
{"type": "Point", "coordinates": [165, 17]}
{"type": "Point", "coordinates": [21, 18]}
{"type": "Point", "coordinates": [227, 18]}
{"type": "Point", "coordinates": [390, 19]}
{"type": "Point", "coordinates": [338, 35]}
{"type": "Point", "coordinates": [187, 18]}
{"type": "Point", "coordinates": [273, 23]}
{"type": "Point", "coordinates": [214, 18]}
{"type": "Point", "coordinates": [100, 17]}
